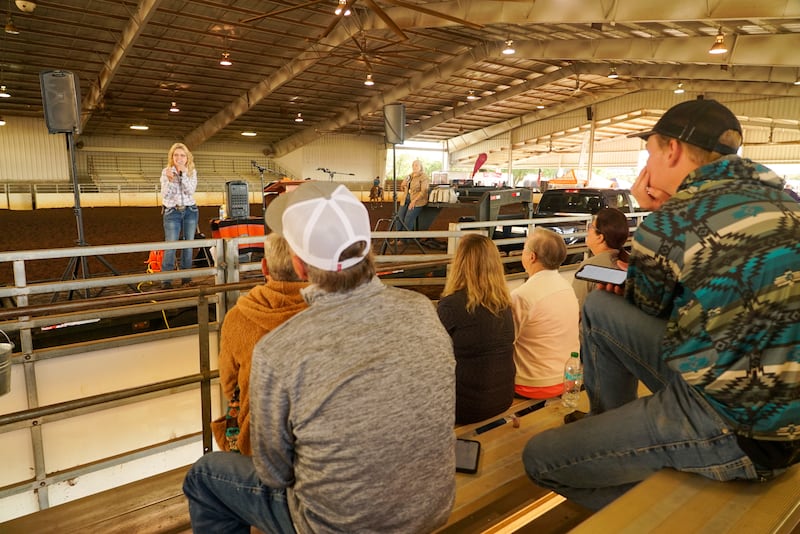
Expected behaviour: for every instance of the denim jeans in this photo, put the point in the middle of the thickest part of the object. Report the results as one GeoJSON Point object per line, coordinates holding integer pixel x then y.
{"type": "Point", "coordinates": [408, 216]}
{"type": "Point", "coordinates": [226, 495]}
{"type": "Point", "coordinates": [624, 439]}
{"type": "Point", "coordinates": [183, 225]}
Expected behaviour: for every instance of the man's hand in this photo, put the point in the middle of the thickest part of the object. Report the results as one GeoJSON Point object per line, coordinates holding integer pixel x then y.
{"type": "Point", "coordinates": [650, 198]}
{"type": "Point", "coordinates": [614, 288]}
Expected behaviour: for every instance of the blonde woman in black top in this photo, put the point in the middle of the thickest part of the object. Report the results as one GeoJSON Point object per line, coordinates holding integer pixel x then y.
{"type": "Point", "coordinates": [475, 309]}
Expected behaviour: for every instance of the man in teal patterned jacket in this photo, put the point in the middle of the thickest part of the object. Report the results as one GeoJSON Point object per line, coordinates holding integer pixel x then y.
{"type": "Point", "coordinates": [710, 323]}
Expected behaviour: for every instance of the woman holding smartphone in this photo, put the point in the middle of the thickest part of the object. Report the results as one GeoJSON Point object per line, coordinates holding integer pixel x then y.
{"type": "Point", "coordinates": [605, 236]}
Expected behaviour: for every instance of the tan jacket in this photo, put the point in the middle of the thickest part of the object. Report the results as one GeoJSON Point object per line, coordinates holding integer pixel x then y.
{"type": "Point", "coordinates": [417, 186]}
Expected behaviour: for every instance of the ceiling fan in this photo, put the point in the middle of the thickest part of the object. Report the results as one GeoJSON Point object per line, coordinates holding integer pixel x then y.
{"type": "Point", "coordinates": [380, 54]}
{"type": "Point", "coordinates": [345, 6]}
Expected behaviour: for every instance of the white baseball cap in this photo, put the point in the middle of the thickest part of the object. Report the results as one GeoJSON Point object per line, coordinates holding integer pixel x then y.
{"type": "Point", "coordinates": [319, 221]}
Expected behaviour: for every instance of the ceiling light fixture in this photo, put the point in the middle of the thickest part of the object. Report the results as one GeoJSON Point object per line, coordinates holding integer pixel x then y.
{"type": "Point", "coordinates": [369, 80]}
{"type": "Point", "coordinates": [10, 28]}
{"type": "Point", "coordinates": [472, 95]}
{"type": "Point", "coordinates": [3, 92]}
{"type": "Point", "coordinates": [679, 89]}
{"type": "Point", "coordinates": [540, 105]}
{"type": "Point", "coordinates": [249, 134]}
{"type": "Point", "coordinates": [719, 44]}
{"type": "Point", "coordinates": [340, 7]}
{"type": "Point", "coordinates": [2, 121]}
{"type": "Point", "coordinates": [225, 60]}
{"type": "Point", "coordinates": [299, 118]}
{"type": "Point", "coordinates": [509, 49]}
{"type": "Point", "coordinates": [174, 108]}
{"type": "Point", "coordinates": [141, 127]}
{"type": "Point", "coordinates": [25, 5]}
{"type": "Point", "coordinates": [612, 73]}
{"type": "Point", "coordinates": [797, 81]}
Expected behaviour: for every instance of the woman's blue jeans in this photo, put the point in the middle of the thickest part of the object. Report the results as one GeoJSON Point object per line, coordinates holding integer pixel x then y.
{"type": "Point", "coordinates": [624, 439]}
{"type": "Point", "coordinates": [226, 495]}
{"type": "Point", "coordinates": [408, 216]}
{"type": "Point", "coordinates": [179, 225]}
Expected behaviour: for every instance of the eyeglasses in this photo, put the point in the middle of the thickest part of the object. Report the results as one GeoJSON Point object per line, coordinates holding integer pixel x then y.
{"type": "Point", "coordinates": [590, 226]}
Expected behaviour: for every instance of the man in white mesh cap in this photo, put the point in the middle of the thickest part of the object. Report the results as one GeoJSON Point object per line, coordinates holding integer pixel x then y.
{"type": "Point", "coordinates": [352, 399]}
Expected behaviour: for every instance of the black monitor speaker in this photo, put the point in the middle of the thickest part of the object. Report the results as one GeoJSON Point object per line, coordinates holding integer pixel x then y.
{"type": "Point", "coordinates": [394, 116]}
{"type": "Point", "coordinates": [238, 200]}
{"type": "Point", "coordinates": [61, 97]}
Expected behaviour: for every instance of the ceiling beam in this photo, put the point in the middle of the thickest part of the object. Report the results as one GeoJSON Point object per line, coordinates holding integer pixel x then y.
{"type": "Point", "coordinates": [283, 75]}
{"type": "Point", "coordinates": [376, 103]}
{"type": "Point", "coordinates": [488, 12]}
{"type": "Point", "coordinates": [136, 23]}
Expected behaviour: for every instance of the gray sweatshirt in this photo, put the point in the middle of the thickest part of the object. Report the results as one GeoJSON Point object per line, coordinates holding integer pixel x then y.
{"type": "Point", "coordinates": [353, 404]}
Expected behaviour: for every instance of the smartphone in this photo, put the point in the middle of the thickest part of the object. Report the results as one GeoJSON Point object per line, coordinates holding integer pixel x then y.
{"type": "Point", "coordinates": [603, 275]}
{"type": "Point", "coordinates": [467, 453]}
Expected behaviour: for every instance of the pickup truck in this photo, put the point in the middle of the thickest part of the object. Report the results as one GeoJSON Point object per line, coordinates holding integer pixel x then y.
{"type": "Point", "coordinates": [582, 201]}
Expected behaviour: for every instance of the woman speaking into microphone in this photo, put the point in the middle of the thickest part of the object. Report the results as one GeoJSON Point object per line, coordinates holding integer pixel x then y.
{"type": "Point", "coordinates": [179, 209]}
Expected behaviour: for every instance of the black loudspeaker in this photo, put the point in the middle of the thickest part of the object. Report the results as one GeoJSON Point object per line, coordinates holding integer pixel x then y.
{"type": "Point", "coordinates": [61, 97]}
{"type": "Point", "coordinates": [589, 113]}
{"type": "Point", "coordinates": [394, 116]}
{"type": "Point", "coordinates": [238, 203]}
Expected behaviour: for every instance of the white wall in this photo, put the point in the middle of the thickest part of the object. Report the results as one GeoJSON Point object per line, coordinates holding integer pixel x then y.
{"type": "Point", "coordinates": [29, 153]}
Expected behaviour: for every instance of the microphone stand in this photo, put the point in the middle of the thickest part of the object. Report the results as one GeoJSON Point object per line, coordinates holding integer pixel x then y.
{"type": "Point", "coordinates": [263, 203]}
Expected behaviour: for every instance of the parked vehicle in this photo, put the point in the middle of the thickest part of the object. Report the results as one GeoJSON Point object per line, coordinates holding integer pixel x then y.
{"type": "Point", "coordinates": [581, 201]}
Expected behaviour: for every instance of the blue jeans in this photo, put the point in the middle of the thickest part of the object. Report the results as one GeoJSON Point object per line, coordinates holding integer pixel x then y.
{"type": "Point", "coordinates": [183, 225]}
{"type": "Point", "coordinates": [226, 495]}
{"type": "Point", "coordinates": [624, 439]}
{"type": "Point", "coordinates": [408, 216]}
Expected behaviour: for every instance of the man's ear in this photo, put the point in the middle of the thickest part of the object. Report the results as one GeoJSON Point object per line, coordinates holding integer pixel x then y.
{"type": "Point", "coordinates": [675, 151]}
{"type": "Point", "coordinates": [299, 267]}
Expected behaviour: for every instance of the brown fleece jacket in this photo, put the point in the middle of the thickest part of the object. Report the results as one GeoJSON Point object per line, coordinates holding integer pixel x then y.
{"type": "Point", "coordinates": [255, 314]}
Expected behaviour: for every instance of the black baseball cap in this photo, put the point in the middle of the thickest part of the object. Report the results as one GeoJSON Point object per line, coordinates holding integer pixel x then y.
{"type": "Point", "coordinates": [697, 122]}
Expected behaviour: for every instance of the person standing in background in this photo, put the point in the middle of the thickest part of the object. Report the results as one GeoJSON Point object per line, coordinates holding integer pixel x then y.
{"type": "Point", "coordinates": [417, 185]}
{"type": "Point", "coordinates": [475, 309]}
{"type": "Point", "coordinates": [255, 314]}
{"type": "Point", "coordinates": [179, 209]}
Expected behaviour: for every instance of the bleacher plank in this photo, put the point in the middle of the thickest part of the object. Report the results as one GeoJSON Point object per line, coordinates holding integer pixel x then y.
{"type": "Point", "coordinates": [672, 501]}
{"type": "Point", "coordinates": [500, 487]}
{"type": "Point", "coordinates": [154, 504]}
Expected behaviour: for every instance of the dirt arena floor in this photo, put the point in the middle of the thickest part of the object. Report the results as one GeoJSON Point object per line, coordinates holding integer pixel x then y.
{"type": "Point", "coordinates": [58, 228]}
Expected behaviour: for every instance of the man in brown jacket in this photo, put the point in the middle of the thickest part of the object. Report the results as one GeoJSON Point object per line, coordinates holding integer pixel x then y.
{"type": "Point", "coordinates": [254, 315]}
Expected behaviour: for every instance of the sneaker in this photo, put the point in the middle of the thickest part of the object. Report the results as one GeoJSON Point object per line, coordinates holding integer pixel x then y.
{"type": "Point", "coordinates": [166, 285]}
{"type": "Point", "coordinates": [186, 281]}
{"type": "Point", "coordinates": [571, 417]}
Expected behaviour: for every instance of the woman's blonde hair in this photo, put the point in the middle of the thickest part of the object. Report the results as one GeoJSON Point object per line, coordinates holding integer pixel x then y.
{"type": "Point", "coordinates": [189, 156]}
{"type": "Point", "coordinates": [478, 270]}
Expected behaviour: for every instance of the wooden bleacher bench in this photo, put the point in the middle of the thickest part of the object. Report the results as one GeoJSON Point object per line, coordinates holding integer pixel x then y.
{"type": "Point", "coordinates": [671, 501]}
{"type": "Point", "coordinates": [154, 504]}
{"type": "Point", "coordinates": [499, 498]}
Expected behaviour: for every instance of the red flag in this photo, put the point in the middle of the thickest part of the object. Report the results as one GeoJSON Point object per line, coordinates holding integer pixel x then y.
{"type": "Point", "coordinates": [478, 163]}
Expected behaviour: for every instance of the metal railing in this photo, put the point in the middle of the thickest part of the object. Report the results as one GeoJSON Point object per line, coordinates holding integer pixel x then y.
{"type": "Point", "coordinates": [227, 278]}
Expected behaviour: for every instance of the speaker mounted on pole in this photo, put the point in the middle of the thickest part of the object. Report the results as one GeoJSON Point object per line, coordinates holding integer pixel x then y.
{"type": "Point", "coordinates": [394, 116]}
{"type": "Point", "coordinates": [61, 98]}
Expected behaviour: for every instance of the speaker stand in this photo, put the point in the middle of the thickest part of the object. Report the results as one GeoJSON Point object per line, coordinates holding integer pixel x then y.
{"type": "Point", "coordinates": [396, 223]}
{"type": "Point", "coordinates": [79, 263]}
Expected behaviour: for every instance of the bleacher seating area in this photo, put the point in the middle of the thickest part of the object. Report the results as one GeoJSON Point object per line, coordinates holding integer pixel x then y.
{"type": "Point", "coordinates": [145, 170]}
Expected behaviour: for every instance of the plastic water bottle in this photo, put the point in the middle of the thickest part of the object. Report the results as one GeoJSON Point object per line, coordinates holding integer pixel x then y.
{"type": "Point", "coordinates": [222, 211]}
{"type": "Point", "coordinates": [573, 380]}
